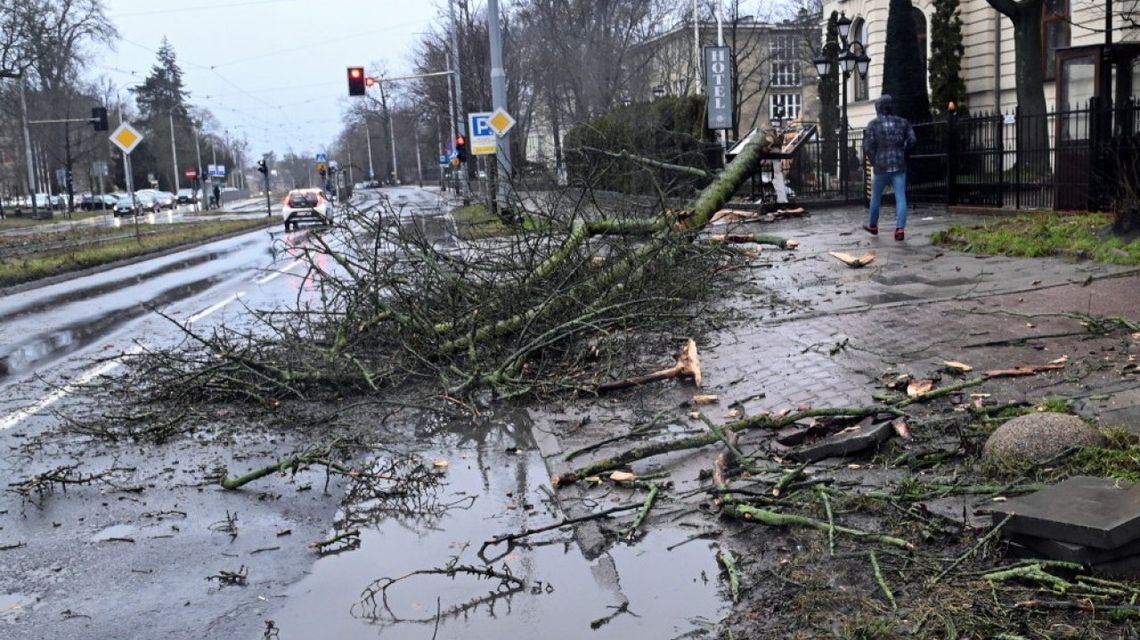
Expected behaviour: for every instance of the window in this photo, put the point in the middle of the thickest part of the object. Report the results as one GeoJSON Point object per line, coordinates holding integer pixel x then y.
{"type": "Point", "coordinates": [859, 33]}
{"type": "Point", "coordinates": [789, 103]}
{"type": "Point", "coordinates": [783, 53]}
{"type": "Point", "coordinates": [1054, 33]}
{"type": "Point", "coordinates": [920, 34]}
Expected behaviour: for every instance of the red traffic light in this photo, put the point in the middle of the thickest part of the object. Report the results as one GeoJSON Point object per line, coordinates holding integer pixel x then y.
{"type": "Point", "coordinates": [356, 81]}
{"type": "Point", "coordinates": [460, 140]}
{"type": "Point", "coordinates": [461, 148]}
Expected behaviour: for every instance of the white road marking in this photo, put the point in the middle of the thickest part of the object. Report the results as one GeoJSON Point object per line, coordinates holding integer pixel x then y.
{"type": "Point", "coordinates": [278, 274]}
{"type": "Point", "coordinates": [214, 308]}
{"type": "Point", "coordinates": [55, 396]}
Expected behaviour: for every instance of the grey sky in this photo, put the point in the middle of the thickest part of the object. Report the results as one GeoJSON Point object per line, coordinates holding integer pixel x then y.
{"type": "Point", "coordinates": [272, 71]}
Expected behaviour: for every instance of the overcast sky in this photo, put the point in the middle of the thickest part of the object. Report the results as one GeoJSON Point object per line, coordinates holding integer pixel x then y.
{"type": "Point", "coordinates": [272, 71]}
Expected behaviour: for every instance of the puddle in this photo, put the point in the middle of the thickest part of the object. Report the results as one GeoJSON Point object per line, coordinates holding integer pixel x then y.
{"type": "Point", "coordinates": [13, 604]}
{"type": "Point", "coordinates": [119, 531]}
{"type": "Point", "coordinates": [44, 348]}
{"type": "Point", "coordinates": [669, 593]}
{"type": "Point", "coordinates": [885, 298]}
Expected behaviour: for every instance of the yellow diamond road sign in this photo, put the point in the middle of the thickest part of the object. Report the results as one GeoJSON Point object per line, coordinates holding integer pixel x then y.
{"type": "Point", "coordinates": [501, 121]}
{"type": "Point", "coordinates": [126, 138]}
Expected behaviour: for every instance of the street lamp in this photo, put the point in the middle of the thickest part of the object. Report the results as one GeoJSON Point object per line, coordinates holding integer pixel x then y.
{"type": "Point", "coordinates": [853, 59]}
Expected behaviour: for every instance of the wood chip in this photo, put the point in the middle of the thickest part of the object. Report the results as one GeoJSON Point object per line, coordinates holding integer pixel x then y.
{"type": "Point", "coordinates": [954, 365]}
{"type": "Point", "coordinates": [918, 388]}
{"type": "Point", "coordinates": [705, 399]}
{"type": "Point", "coordinates": [622, 476]}
{"type": "Point", "coordinates": [852, 261]}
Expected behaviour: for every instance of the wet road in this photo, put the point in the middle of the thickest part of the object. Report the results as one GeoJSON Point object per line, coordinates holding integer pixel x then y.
{"type": "Point", "coordinates": [132, 553]}
{"type": "Point", "coordinates": [151, 532]}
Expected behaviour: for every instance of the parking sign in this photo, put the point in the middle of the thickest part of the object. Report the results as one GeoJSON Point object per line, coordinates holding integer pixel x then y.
{"type": "Point", "coordinates": [483, 141]}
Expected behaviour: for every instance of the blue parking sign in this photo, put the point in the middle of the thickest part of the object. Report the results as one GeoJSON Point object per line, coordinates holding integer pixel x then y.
{"type": "Point", "coordinates": [481, 125]}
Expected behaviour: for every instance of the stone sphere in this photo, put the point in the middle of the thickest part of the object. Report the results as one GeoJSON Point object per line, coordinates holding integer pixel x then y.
{"type": "Point", "coordinates": [1036, 437]}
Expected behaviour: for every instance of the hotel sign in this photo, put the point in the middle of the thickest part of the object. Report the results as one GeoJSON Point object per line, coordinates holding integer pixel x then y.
{"type": "Point", "coordinates": [718, 86]}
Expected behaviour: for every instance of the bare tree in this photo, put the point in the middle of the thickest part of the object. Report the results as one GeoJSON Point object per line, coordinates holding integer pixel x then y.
{"type": "Point", "coordinates": [1026, 18]}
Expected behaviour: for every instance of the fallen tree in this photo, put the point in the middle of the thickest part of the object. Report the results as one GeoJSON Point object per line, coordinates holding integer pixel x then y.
{"type": "Point", "coordinates": [384, 303]}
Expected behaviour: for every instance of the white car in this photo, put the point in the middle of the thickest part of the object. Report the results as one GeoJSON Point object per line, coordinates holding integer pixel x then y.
{"type": "Point", "coordinates": [306, 205]}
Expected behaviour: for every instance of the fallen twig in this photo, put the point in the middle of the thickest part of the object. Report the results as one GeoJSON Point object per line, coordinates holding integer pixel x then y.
{"type": "Point", "coordinates": [632, 532]}
{"type": "Point", "coordinates": [726, 560]}
{"type": "Point", "coordinates": [972, 550]}
{"type": "Point", "coordinates": [774, 519]}
{"type": "Point", "coordinates": [512, 537]}
{"type": "Point", "coordinates": [882, 581]}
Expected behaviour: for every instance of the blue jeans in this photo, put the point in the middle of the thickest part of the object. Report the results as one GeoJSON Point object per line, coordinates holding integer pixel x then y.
{"type": "Point", "coordinates": [878, 183]}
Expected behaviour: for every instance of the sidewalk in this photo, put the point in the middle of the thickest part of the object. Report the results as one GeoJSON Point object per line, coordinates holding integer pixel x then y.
{"type": "Point", "coordinates": [812, 331]}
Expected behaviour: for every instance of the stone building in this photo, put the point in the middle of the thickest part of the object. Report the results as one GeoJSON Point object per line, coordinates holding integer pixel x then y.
{"type": "Point", "coordinates": [988, 63]}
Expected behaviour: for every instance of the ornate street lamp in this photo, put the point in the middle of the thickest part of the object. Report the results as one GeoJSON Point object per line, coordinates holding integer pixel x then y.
{"type": "Point", "coordinates": [853, 59]}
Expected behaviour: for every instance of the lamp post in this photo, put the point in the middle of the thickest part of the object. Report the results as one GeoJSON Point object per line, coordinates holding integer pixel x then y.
{"type": "Point", "coordinates": [853, 58]}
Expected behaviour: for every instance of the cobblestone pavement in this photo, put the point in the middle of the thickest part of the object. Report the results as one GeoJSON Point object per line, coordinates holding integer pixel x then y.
{"type": "Point", "coordinates": [812, 331]}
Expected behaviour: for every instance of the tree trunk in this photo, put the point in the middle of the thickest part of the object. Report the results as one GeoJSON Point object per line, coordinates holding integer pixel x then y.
{"type": "Point", "coordinates": [1033, 127]}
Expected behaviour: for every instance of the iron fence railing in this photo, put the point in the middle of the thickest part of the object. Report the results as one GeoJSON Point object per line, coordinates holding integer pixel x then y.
{"type": "Point", "coordinates": [1079, 158]}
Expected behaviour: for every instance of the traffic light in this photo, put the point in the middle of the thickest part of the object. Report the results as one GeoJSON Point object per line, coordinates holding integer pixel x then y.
{"type": "Point", "coordinates": [461, 148]}
{"type": "Point", "coordinates": [356, 81]}
{"type": "Point", "coordinates": [99, 118]}
{"type": "Point", "coordinates": [261, 168]}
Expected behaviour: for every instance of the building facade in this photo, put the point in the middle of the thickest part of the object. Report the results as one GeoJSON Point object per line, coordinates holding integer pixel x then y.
{"type": "Point", "coordinates": [988, 63]}
{"type": "Point", "coordinates": [772, 72]}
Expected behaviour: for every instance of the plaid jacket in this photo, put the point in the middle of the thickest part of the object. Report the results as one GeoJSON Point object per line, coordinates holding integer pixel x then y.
{"type": "Point", "coordinates": [887, 142]}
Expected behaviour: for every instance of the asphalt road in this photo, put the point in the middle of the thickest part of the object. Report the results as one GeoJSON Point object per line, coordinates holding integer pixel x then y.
{"type": "Point", "coordinates": [128, 556]}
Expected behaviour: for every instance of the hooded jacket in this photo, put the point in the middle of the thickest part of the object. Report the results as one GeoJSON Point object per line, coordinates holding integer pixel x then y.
{"type": "Point", "coordinates": [889, 139]}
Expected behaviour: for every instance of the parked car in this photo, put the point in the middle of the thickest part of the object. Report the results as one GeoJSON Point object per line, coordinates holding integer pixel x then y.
{"type": "Point", "coordinates": [125, 206]}
{"type": "Point", "coordinates": [95, 201]}
{"type": "Point", "coordinates": [310, 205]}
{"type": "Point", "coordinates": [187, 196]}
{"type": "Point", "coordinates": [166, 199]}
{"type": "Point", "coordinates": [147, 201]}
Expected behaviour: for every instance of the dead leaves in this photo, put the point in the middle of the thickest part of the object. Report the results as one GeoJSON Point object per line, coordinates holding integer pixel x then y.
{"type": "Point", "coordinates": [957, 367]}
{"type": "Point", "coordinates": [852, 261]}
{"type": "Point", "coordinates": [918, 388]}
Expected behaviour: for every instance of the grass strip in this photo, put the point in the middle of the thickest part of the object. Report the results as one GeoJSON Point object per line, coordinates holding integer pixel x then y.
{"type": "Point", "coordinates": [476, 221]}
{"type": "Point", "coordinates": [56, 261]}
{"type": "Point", "coordinates": [1074, 236]}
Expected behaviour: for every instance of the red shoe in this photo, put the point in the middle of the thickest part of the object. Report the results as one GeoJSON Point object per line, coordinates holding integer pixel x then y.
{"type": "Point", "coordinates": [900, 234]}
{"type": "Point", "coordinates": [872, 229]}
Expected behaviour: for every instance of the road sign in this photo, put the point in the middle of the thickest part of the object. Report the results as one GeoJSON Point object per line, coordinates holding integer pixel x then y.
{"type": "Point", "coordinates": [322, 158]}
{"type": "Point", "coordinates": [99, 167]}
{"type": "Point", "coordinates": [483, 140]}
{"type": "Point", "coordinates": [501, 121]}
{"type": "Point", "coordinates": [126, 137]}
{"type": "Point", "coordinates": [190, 173]}
{"type": "Point", "coordinates": [216, 170]}
{"type": "Point", "coordinates": [334, 166]}
{"type": "Point", "coordinates": [443, 160]}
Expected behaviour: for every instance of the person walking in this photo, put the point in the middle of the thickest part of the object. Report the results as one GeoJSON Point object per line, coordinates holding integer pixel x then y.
{"type": "Point", "coordinates": [887, 142]}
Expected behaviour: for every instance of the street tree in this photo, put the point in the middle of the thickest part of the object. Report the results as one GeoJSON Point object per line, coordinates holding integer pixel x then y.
{"type": "Point", "coordinates": [829, 94]}
{"type": "Point", "coordinates": [946, 51]}
{"type": "Point", "coordinates": [1025, 15]}
{"type": "Point", "coordinates": [903, 72]}
{"type": "Point", "coordinates": [163, 103]}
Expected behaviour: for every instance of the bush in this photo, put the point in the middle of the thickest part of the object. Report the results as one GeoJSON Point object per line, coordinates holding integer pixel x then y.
{"type": "Point", "coordinates": [669, 130]}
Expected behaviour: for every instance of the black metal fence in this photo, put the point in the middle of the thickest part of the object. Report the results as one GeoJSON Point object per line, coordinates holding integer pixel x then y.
{"type": "Point", "coordinates": [1082, 158]}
